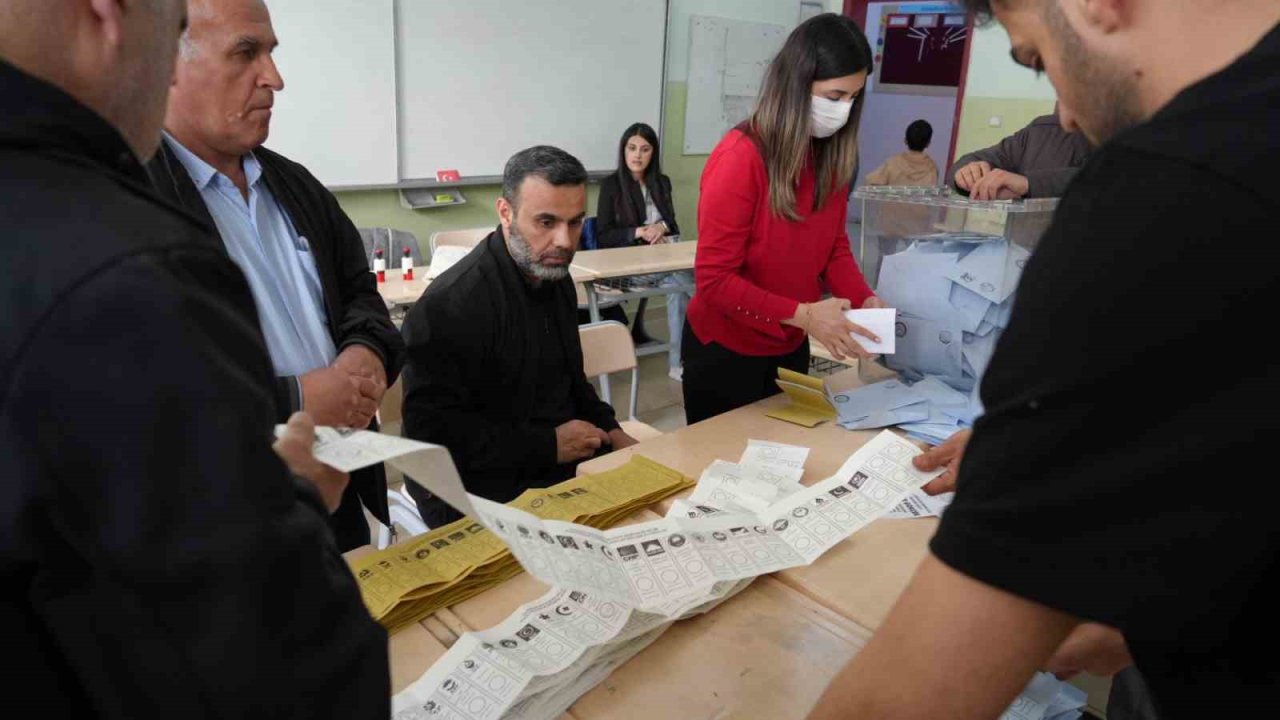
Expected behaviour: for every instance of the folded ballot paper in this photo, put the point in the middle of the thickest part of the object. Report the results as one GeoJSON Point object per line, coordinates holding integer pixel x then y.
{"type": "Point", "coordinates": [954, 294]}
{"type": "Point", "coordinates": [405, 583]}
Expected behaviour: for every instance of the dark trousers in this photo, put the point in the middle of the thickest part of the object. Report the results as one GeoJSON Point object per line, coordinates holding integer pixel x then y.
{"type": "Point", "coordinates": [717, 379]}
{"type": "Point", "coordinates": [434, 511]}
{"type": "Point", "coordinates": [1130, 699]}
{"type": "Point", "coordinates": [349, 526]}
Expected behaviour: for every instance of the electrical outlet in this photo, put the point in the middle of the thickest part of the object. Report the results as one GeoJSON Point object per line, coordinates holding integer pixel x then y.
{"type": "Point", "coordinates": [996, 121]}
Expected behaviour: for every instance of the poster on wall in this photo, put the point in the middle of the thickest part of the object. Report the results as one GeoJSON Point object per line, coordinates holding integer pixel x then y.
{"type": "Point", "coordinates": [920, 49]}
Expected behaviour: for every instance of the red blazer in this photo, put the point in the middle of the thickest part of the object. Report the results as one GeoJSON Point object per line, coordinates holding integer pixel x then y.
{"type": "Point", "coordinates": [752, 268]}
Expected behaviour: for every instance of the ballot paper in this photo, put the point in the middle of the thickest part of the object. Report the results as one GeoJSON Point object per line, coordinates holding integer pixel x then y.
{"type": "Point", "coordinates": [1047, 698]}
{"type": "Point", "coordinates": [744, 488]}
{"type": "Point", "coordinates": [992, 270]}
{"type": "Point", "coordinates": [878, 405]}
{"type": "Point", "coordinates": [763, 452]}
{"type": "Point", "coordinates": [405, 583]}
{"type": "Point", "coordinates": [652, 564]}
{"type": "Point", "coordinates": [928, 347]}
{"type": "Point", "coordinates": [921, 505]}
{"type": "Point", "coordinates": [881, 322]}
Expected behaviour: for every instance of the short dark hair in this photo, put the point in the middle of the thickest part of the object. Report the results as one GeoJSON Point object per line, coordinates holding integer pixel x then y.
{"type": "Point", "coordinates": [919, 135]}
{"type": "Point", "coordinates": [549, 163]}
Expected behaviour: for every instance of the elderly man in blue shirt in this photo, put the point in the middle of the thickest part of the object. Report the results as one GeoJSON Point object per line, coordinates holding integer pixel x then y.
{"type": "Point", "coordinates": [331, 340]}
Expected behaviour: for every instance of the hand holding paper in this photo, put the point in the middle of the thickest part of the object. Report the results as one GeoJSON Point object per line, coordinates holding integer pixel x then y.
{"type": "Point", "coordinates": [878, 322]}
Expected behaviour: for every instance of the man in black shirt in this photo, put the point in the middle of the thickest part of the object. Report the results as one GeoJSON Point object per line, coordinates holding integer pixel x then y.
{"type": "Point", "coordinates": [154, 552]}
{"type": "Point", "coordinates": [494, 370]}
{"type": "Point", "coordinates": [1106, 483]}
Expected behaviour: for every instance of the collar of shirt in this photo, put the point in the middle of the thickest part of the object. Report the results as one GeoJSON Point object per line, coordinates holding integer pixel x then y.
{"type": "Point", "coordinates": [41, 116]}
{"type": "Point", "coordinates": [203, 174]}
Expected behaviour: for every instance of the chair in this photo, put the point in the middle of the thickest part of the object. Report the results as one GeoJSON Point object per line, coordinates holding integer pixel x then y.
{"type": "Point", "coordinates": [462, 238]}
{"type": "Point", "coordinates": [392, 243]}
{"type": "Point", "coordinates": [607, 348]}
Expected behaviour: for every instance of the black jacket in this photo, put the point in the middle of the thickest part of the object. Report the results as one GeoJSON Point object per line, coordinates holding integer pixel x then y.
{"type": "Point", "coordinates": [154, 552]}
{"type": "Point", "coordinates": [468, 382]}
{"type": "Point", "coordinates": [354, 311]}
{"type": "Point", "coordinates": [618, 214]}
{"type": "Point", "coordinates": [1046, 154]}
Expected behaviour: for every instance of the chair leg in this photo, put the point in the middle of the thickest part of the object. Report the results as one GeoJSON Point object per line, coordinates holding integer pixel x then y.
{"type": "Point", "coordinates": [638, 334]}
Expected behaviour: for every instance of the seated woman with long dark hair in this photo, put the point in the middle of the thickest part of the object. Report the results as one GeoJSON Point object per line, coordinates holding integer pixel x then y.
{"type": "Point", "coordinates": [635, 207]}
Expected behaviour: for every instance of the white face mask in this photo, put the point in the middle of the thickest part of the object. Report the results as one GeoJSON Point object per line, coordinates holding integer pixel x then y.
{"type": "Point", "coordinates": [826, 117]}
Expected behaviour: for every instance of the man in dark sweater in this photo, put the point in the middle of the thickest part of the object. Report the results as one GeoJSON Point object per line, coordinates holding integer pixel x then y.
{"type": "Point", "coordinates": [1038, 161]}
{"type": "Point", "coordinates": [494, 369]}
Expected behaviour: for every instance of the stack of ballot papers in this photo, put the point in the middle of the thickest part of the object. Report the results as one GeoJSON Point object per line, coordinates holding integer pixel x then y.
{"type": "Point", "coordinates": [405, 583]}
{"type": "Point", "coordinates": [614, 592]}
{"type": "Point", "coordinates": [927, 410]}
{"type": "Point", "coordinates": [954, 294]}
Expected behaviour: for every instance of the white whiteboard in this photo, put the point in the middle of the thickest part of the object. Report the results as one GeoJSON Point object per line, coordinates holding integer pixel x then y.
{"type": "Point", "coordinates": [482, 79]}
{"type": "Point", "coordinates": [727, 61]}
{"type": "Point", "coordinates": [337, 113]}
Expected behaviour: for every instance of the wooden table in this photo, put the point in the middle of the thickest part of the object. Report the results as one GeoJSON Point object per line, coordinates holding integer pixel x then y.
{"type": "Point", "coordinates": [766, 653]}
{"type": "Point", "coordinates": [398, 291]}
{"type": "Point", "coordinates": [615, 263]}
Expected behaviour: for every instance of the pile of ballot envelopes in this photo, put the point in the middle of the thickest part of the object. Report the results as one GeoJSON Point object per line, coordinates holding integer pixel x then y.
{"type": "Point", "coordinates": [954, 295]}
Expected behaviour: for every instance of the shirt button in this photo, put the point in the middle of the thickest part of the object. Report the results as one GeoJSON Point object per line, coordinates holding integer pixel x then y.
{"type": "Point", "coordinates": [1034, 404]}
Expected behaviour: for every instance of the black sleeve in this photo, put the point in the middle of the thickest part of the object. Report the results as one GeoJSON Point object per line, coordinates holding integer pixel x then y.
{"type": "Point", "coordinates": [608, 233]}
{"type": "Point", "coordinates": [180, 560]}
{"type": "Point", "coordinates": [367, 321]}
{"type": "Point", "coordinates": [673, 228]}
{"type": "Point", "coordinates": [1105, 478]}
{"type": "Point", "coordinates": [440, 405]}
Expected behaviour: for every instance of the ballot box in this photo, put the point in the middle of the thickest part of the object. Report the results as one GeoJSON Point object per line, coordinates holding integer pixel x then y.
{"type": "Point", "coordinates": [951, 268]}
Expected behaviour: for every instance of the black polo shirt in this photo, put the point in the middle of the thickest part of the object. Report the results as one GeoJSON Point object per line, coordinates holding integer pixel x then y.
{"type": "Point", "coordinates": [1123, 470]}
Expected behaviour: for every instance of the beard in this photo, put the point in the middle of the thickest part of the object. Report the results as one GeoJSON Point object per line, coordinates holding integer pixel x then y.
{"type": "Point", "coordinates": [530, 263]}
{"type": "Point", "coordinates": [1107, 95]}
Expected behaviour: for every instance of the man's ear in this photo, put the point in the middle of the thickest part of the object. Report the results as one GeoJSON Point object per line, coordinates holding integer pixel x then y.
{"type": "Point", "coordinates": [507, 214]}
{"type": "Point", "coordinates": [110, 17]}
{"type": "Point", "coordinates": [1104, 16]}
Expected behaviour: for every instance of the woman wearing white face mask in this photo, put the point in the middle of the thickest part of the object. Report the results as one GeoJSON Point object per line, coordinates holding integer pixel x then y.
{"type": "Point", "coordinates": [771, 226]}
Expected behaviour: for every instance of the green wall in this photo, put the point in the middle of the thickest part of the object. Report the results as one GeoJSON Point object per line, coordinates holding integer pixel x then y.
{"type": "Point", "coordinates": [975, 116]}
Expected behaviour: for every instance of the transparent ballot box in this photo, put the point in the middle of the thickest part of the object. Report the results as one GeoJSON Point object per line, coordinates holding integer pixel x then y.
{"type": "Point", "coordinates": [950, 267]}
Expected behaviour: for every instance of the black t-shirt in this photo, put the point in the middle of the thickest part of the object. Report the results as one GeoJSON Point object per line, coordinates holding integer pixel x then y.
{"type": "Point", "coordinates": [1122, 472]}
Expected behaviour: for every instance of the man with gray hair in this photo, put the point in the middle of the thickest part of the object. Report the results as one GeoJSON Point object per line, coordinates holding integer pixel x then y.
{"type": "Point", "coordinates": [494, 370]}
{"type": "Point", "coordinates": [331, 339]}
{"type": "Point", "coordinates": [154, 551]}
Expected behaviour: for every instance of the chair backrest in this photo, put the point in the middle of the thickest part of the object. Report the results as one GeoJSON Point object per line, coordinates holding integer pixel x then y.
{"type": "Point", "coordinates": [463, 238]}
{"type": "Point", "coordinates": [589, 239]}
{"type": "Point", "coordinates": [392, 242]}
{"type": "Point", "coordinates": [607, 348]}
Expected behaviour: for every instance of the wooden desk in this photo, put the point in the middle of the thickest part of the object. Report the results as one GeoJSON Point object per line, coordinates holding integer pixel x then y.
{"type": "Point", "coordinates": [636, 260]}
{"type": "Point", "coordinates": [860, 578]}
{"type": "Point", "coordinates": [631, 261]}
{"type": "Point", "coordinates": [767, 653]}
{"type": "Point", "coordinates": [398, 291]}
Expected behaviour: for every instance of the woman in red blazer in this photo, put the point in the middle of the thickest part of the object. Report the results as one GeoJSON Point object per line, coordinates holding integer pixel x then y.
{"type": "Point", "coordinates": [771, 226]}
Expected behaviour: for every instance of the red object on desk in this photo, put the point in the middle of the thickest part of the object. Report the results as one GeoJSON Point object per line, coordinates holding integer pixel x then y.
{"type": "Point", "coordinates": [380, 265]}
{"type": "Point", "coordinates": [448, 176]}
